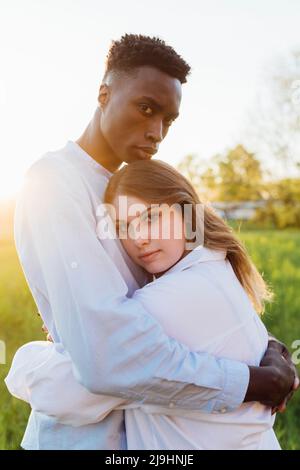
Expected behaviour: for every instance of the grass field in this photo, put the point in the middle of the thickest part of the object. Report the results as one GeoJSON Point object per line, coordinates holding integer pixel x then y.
{"type": "Point", "coordinates": [277, 254]}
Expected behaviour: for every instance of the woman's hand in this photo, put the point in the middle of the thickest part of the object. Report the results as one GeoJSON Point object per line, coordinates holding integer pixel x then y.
{"type": "Point", "coordinates": [45, 330]}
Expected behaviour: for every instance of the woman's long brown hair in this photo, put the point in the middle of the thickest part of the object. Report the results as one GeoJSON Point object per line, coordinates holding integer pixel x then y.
{"type": "Point", "coordinates": [157, 182]}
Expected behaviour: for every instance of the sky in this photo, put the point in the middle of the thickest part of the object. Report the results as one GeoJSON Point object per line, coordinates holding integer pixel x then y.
{"type": "Point", "coordinates": [52, 60]}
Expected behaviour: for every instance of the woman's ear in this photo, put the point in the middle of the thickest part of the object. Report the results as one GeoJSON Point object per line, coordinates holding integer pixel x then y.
{"type": "Point", "coordinates": [103, 96]}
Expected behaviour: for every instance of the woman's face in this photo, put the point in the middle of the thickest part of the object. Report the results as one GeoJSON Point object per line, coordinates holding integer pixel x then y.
{"type": "Point", "coordinates": [152, 235]}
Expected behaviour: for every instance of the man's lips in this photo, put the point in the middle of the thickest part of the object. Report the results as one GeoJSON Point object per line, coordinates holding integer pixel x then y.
{"type": "Point", "coordinates": [148, 150]}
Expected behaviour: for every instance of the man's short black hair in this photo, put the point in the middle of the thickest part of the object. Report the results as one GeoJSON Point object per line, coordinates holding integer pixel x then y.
{"type": "Point", "coordinates": [136, 50]}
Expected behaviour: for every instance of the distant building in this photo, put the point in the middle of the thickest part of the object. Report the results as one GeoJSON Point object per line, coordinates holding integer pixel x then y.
{"type": "Point", "coordinates": [238, 210]}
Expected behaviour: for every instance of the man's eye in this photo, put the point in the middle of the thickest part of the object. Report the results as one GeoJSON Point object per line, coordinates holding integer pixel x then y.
{"type": "Point", "coordinates": [146, 109]}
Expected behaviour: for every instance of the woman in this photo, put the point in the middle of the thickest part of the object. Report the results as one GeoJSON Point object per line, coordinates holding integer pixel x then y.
{"type": "Point", "coordinates": [207, 297]}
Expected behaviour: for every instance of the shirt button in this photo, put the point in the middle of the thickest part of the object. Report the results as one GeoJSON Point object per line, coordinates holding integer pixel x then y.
{"type": "Point", "coordinates": [74, 265]}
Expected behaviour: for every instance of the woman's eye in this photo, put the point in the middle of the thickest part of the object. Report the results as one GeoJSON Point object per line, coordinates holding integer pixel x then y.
{"type": "Point", "coordinates": [145, 217]}
{"type": "Point", "coordinates": [153, 217]}
{"type": "Point", "coordinates": [122, 228]}
{"type": "Point", "coordinates": [146, 109]}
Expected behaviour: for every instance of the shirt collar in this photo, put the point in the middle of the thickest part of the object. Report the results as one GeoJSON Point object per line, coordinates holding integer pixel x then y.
{"type": "Point", "coordinates": [87, 158]}
{"type": "Point", "coordinates": [200, 254]}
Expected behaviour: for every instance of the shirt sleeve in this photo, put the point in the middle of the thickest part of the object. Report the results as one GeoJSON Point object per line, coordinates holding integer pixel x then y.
{"type": "Point", "coordinates": [41, 374]}
{"type": "Point", "coordinates": [115, 346]}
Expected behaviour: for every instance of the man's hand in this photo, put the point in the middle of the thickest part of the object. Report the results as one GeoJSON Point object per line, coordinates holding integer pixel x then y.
{"type": "Point", "coordinates": [283, 350]}
{"type": "Point", "coordinates": [274, 382]}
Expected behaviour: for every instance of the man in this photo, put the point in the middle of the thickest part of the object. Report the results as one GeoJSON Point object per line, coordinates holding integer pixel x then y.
{"type": "Point", "coordinates": [80, 281]}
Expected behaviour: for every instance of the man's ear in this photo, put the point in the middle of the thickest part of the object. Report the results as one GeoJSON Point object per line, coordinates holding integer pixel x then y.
{"type": "Point", "coordinates": [103, 96]}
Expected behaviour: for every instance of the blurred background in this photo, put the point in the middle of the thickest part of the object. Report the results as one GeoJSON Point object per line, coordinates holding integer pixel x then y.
{"type": "Point", "coordinates": [237, 138]}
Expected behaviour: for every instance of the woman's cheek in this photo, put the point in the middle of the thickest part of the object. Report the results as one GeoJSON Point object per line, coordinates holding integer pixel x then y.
{"type": "Point", "coordinates": [128, 246]}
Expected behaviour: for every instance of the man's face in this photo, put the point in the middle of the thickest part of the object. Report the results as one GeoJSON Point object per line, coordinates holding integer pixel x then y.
{"type": "Point", "coordinates": [138, 113]}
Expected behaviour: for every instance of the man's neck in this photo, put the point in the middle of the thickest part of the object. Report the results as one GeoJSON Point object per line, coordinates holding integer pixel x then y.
{"type": "Point", "coordinates": [93, 143]}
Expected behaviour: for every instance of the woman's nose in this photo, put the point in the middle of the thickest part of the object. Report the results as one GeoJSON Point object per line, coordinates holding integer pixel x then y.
{"type": "Point", "coordinates": [141, 236]}
{"type": "Point", "coordinates": [141, 241]}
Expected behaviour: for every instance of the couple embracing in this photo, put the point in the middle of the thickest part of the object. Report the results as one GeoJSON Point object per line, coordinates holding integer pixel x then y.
{"type": "Point", "coordinates": [156, 335]}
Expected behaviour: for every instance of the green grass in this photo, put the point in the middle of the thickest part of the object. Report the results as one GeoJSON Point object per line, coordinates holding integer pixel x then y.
{"type": "Point", "coordinates": [277, 254]}
{"type": "Point", "coordinates": [19, 323]}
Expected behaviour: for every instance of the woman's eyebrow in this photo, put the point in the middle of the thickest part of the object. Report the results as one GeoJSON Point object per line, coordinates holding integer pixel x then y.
{"type": "Point", "coordinates": [148, 209]}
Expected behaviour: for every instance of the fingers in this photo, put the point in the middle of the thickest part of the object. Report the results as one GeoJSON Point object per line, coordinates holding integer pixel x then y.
{"type": "Point", "coordinates": [289, 360]}
{"type": "Point", "coordinates": [296, 380]}
{"type": "Point", "coordinates": [282, 407]}
{"type": "Point", "coordinates": [288, 357]}
{"type": "Point", "coordinates": [49, 338]}
{"type": "Point", "coordinates": [296, 383]}
{"type": "Point", "coordinates": [45, 330]}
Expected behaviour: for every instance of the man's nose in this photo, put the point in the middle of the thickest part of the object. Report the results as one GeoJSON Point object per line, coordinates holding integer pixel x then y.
{"type": "Point", "coordinates": [155, 132]}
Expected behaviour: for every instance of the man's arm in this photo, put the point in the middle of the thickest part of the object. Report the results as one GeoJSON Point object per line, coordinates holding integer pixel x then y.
{"type": "Point", "coordinates": [41, 374]}
{"type": "Point", "coordinates": [115, 346]}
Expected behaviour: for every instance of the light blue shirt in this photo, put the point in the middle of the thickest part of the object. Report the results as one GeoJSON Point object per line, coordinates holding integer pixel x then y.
{"type": "Point", "coordinates": [81, 285]}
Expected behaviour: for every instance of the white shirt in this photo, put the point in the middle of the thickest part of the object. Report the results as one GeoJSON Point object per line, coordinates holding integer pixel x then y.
{"type": "Point", "coordinates": [81, 285]}
{"type": "Point", "coordinates": [226, 326]}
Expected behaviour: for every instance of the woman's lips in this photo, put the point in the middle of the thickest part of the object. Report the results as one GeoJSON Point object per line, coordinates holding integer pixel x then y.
{"type": "Point", "coordinates": [147, 257]}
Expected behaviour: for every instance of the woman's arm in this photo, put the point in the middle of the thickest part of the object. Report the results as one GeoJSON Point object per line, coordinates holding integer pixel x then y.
{"type": "Point", "coordinates": [41, 374]}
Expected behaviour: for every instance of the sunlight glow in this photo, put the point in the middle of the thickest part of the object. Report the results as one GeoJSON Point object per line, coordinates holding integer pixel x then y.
{"type": "Point", "coordinates": [52, 60]}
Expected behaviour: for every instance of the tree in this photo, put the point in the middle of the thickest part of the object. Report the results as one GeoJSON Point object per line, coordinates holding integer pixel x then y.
{"type": "Point", "coordinates": [235, 176]}
{"type": "Point", "coordinates": [240, 176]}
{"type": "Point", "coordinates": [282, 209]}
{"type": "Point", "coordinates": [274, 127]}
{"type": "Point", "coordinates": [200, 174]}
